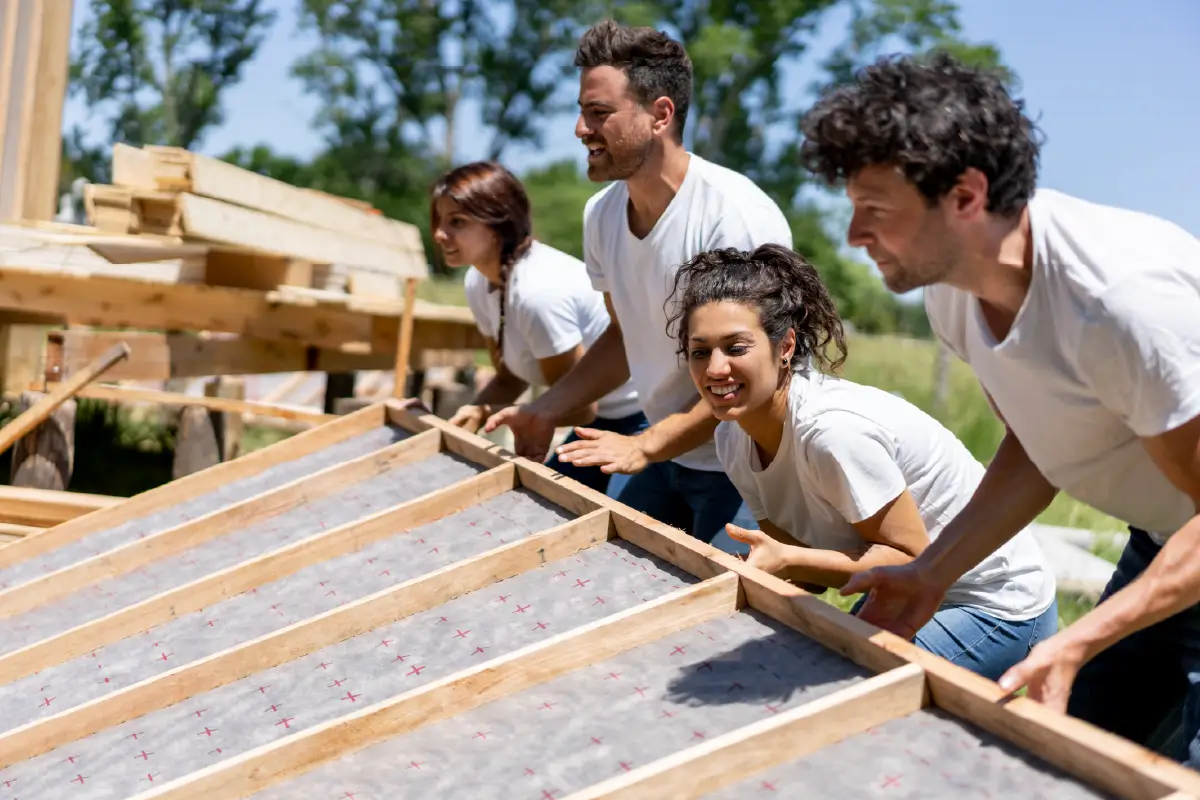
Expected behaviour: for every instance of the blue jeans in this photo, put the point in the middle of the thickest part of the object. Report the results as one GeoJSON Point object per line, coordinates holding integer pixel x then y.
{"type": "Point", "coordinates": [1146, 687]}
{"type": "Point", "coordinates": [696, 501]}
{"type": "Point", "coordinates": [593, 477]}
{"type": "Point", "coordinates": [975, 640]}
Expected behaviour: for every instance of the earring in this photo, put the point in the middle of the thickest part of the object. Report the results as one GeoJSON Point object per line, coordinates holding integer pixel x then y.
{"type": "Point", "coordinates": [785, 361]}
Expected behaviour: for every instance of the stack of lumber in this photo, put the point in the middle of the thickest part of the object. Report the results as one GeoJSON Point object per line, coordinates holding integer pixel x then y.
{"type": "Point", "coordinates": [251, 231]}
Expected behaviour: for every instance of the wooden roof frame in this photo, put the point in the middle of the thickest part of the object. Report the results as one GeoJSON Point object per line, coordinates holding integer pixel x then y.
{"type": "Point", "coordinates": [905, 678]}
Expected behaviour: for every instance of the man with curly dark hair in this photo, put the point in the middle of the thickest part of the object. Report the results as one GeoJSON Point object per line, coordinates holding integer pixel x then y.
{"type": "Point", "coordinates": [664, 206]}
{"type": "Point", "coordinates": [1082, 323]}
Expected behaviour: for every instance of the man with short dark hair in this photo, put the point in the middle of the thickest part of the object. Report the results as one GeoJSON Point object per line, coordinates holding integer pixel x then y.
{"type": "Point", "coordinates": [665, 206]}
{"type": "Point", "coordinates": [1082, 323]}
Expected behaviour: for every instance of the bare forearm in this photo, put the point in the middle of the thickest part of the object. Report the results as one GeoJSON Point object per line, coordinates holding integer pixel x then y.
{"type": "Point", "coordinates": [502, 390]}
{"type": "Point", "coordinates": [1010, 496]}
{"type": "Point", "coordinates": [1170, 584]}
{"type": "Point", "coordinates": [679, 433]}
{"type": "Point", "coordinates": [833, 568]}
{"type": "Point", "coordinates": [602, 369]}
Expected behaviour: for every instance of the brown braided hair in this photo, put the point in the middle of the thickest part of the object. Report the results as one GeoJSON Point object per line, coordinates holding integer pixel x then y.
{"type": "Point", "coordinates": [491, 194]}
{"type": "Point", "coordinates": [780, 284]}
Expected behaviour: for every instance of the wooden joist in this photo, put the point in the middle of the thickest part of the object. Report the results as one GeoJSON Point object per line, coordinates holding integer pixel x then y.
{"type": "Point", "coordinates": [45, 508]}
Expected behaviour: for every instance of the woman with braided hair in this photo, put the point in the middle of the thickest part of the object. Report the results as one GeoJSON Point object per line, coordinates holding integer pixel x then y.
{"type": "Point", "coordinates": [841, 477]}
{"type": "Point", "coordinates": [533, 304]}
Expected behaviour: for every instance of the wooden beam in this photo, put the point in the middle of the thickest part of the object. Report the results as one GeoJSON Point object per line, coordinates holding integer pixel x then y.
{"type": "Point", "coordinates": [214, 221]}
{"type": "Point", "coordinates": [34, 416]}
{"type": "Point", "coordinates": [215, 524]}
{"type": "Point", "coordinates": [116, 511]}
{"type": "Point", "coordinates": [9, 529]}
{"type": "Point", "coordinates": [301, 638]}
{"type": "Point", "coordinates": [404, 346]}
{"type": "Point", "coordinates": [40, 199]}
{"type": "Point", "coordinates": [747, 751]}
{"type": "Point", "coordinates": [241, 776]}
{"type": "Point", "coordinates": [45, 508]}
{"type": "Point", "coordinates": [220, 180]}
{"type": "Point", "coordinates": [244, 576]}
{"type": "Point", "coordinates": [126, 394]}
{"type": "Point", "coordinates": [162, 356]}
{"type": "Point", "coordinates": [127, 303]}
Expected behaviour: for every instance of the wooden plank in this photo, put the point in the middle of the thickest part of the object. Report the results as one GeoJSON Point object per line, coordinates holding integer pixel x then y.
{"type": "Point", "coordinates": [221, 180]}
{"type": "Point", "coordinates": [404, 346]}
{"type": "Point", "coordinates": [243, 775]}
{"type": "Point", "coordinates": [115, 512]}
{"type": "Point", "coordinates": [162, 356]}
{"type": "Point", "coordinates": [45, 508]}
{"type": "Point", "coordinates": [9, 529]}
{"type": "Point", "coordinates": [1108, 762]}
{"type": "Point", "coordinates": [126, 394]}
{"type": "Point", "coordinates": [215, 221]}
{"type": "Point", "coordinates": [746, 751]}
{"type": "Point", "coordinates": [123, 302]}
{"type": "Point", "coordinates": [31, 418]}
{"type": "Point", "coordinates": [300, 638]}
{"type": "Point", "coordinates": [22, 347]}
{"type": "Point", "coordinates": [22, 42]}
{"type": "Point", "coordinates": [244, 576]}
{"type": "Point", "coordinates": [44, 158]}
{"type": "Point", "coordinates": [219, 522]}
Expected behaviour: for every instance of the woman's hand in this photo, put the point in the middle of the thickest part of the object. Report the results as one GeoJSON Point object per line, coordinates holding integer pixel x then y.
{"type": "Point", "coordinates": [766, 553]}
{"type": "Point", "coordinates": [469, 418]}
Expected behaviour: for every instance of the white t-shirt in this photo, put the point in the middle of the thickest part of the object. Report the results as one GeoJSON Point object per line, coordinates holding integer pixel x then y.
{"type": "Point", "coordinates": [715, 207]}
{"type": "Point", "coordinates": [847, 450]}
{"type": "Point", "coordinates": [1105, 348]}
{"type": "Point", "coordinates": [552, 307]}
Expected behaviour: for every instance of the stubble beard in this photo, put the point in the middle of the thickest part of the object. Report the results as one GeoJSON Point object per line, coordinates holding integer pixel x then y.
{"type": "Point", "coordinates": [622, 160]}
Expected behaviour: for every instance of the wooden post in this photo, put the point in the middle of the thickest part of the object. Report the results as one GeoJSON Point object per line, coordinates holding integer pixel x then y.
{"type": "Point", "coordinates": [35, 38]}
{"type": "Point", "coordinates": [45, 457]}
{"type": "Point", "coordinates": [404, 346]}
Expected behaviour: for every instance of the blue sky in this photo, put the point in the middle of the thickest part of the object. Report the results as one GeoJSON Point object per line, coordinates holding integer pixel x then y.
{"type": "Point", "coordinates": [1114, 85]}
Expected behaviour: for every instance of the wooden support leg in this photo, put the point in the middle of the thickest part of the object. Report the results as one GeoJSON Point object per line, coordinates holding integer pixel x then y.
{"type": "Point", "coordinates": [404, 345]}
{"type": "Point", "coordinates": [227, 425]}
{"type": "Point", "coordinates": [45, 457]}
{"type": "Point", "coordinates": [338, 385]}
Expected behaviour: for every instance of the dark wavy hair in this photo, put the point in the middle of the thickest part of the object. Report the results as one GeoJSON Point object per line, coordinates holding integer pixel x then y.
{"type": "Point", "coordinates": [655, 64]}
{"type": "Point", "coordinates": [488, 192]}
{"type": "Point", "coordinates": [779, 283]}
{"type": "Point", "coordinates": [933, 118]}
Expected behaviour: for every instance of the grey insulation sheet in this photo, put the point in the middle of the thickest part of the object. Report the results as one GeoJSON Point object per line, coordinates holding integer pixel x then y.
{"type": "Point", "coordinates": [928, 755]}
{"type": "Point", "coordinates": [205, 503]}
{"type": "Point", "coordinates": [347, 504]}
{"type": "Point", "coordinates": [593, 723]}
{"type": "Point", "coordinates": [557, 596]}
{"type": "Point", "coordinates": [306, 593]}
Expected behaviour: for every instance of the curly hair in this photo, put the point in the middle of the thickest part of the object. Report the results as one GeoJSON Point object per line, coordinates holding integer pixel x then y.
{"type": "Point", "coordinates": [655, 64]}
{"type": "Point", "coordinates": [780, 284]}
{"type": "Point", "coordinates": [934, 118]}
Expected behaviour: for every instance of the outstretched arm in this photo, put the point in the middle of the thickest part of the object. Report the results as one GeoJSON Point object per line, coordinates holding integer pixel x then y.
{"type": "Point", "coordinates": [894, 535]}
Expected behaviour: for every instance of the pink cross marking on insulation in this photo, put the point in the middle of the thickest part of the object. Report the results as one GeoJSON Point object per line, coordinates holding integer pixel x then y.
{"type": "Point", "coordinates": [768, 785]}
{"type": "Point", "coordinates": [582, 582]}
{"type": "Point", "coordinates": [71, 758]}
{"type": "Point", "coordinates": [503, 598]}
{"type": "Point", "coordinates": [198, 713]}
{"type": "Point", "coordinates": [207, 731]}
{"type": "Point", "coordinates": [477, 651]}
{"type": "Point", "coordinates": [596, 740]}
{"type": "Point", "coordinates": [480, 735]}
{"type": "Point", "coordinates": [891, 780]}
{"type": "Point", "coordinates": [415, 670]}
{"type": "Point", "coordinates": [520, 609]}
{"type": "Point", "coordinates": [144, 756]}
{"type": "Point", "coordinates": [415, 764]}
{"type": "Point", "coordinates": [612, 676]}
{"type": "Point", "coordinates": [528, 771]}
{"type": "Point", "coordinates": [385, 642]}
{"type": "Point", "coordinates": [323, 665]}
{"type": "Point", "coordinates": [539, 626]}
{"type": "Point", "coordinates": [546, 706]}
{"type": "Point", "coordinates": [79, 778]}
{"type": "Point", "coordinates": [461, 634]}
{"type": "Point", "coordinates": [353, 698]}
{"type": "Point", "coordinates": [284, 722]}
{"type": "Point", "coordinates": [400, 658]}
{"type": "Point", "coordinates": [336, 682]}
{"type": "Point", "coordinates": [678, 651]}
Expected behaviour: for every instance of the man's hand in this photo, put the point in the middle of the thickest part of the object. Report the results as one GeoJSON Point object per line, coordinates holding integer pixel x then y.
{"type": "Point", "coordinates": [610, 451]}
{"type": "Point", "coordinates": [1049, 671]}
{"type": "Point", "coordinates": [766, 552]}
{"type": "Point", "coordinates": [901, 599]}
{"type": "Point", "coordinates": [532, 431]}
{"type": "Point", "coordinates": [470, 418]}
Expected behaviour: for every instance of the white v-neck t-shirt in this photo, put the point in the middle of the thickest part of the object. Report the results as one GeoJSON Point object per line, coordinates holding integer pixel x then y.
{"type": "Point", "coordinates": [714, 207]}
{"type": "Point", "coordinates": [849, 449]}
{"type": "Point", "coordinates": [1105, 349]}
{"type": "Point", "coordinates": [552, 307]}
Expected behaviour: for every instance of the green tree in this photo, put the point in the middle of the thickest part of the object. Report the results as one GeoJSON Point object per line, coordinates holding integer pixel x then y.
{"type": "Point", "coordinates": [155, 71]}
